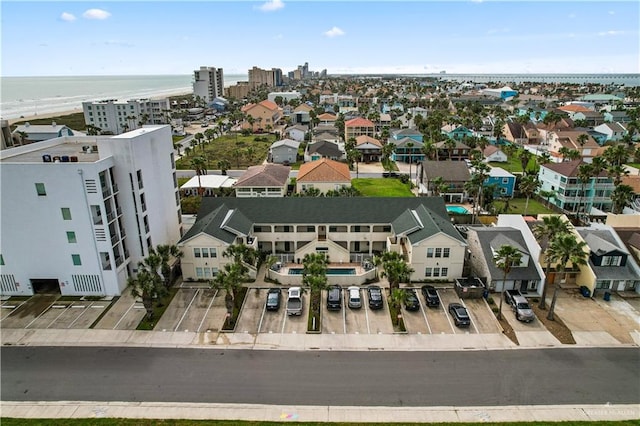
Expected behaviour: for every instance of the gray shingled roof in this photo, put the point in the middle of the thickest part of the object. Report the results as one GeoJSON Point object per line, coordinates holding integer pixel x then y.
{"type": "Point", "coordinates": [487, 236]}
{"type": "Point", "coordinates": [451, 171]}
{"type": "Point", "coordinates": [431, 211]}
{"type": "Point", "coordinates": [264, 175]}
{"type": "Point", "coordinates": [326, 148]}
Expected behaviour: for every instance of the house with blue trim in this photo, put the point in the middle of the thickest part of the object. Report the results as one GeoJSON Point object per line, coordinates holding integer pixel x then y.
{"type": "Point", "coordinates": [504, 182]}
{"type": "Point", "coordinates": [405, 152]}
{"type": "Point", "coordinates": [398, 134]}
{"type": "Point", "coordinates": [456, 131]}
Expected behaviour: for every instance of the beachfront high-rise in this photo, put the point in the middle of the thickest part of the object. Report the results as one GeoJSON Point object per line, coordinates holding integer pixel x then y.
{"type": "Point", "coordinates": [208, 83]}
{"type": "Point", "coordinates": [260, 77]}
{"type": "Point", "coordinates": [116, 117]}
{"type": "Point", "coordinates": [79, 212]}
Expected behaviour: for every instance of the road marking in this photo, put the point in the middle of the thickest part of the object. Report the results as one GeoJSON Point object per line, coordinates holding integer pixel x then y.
{"type": "Point", "coordinates": [264, 309]}
{"type": "Point", "coordinates": [186, 310]}
{"type": "Point", "coordinates": [470, 319]}
{"type": "Point", "coordinates": [124, 315]}
{"type": "Point", "coordinates": [8, 306]}
{"type": "Point", "coordinates": [23, 302]}
{"type": "Point", "coordinates": [59, 315]}
{"type": "Point", "coordinates": [78, 306]}
{"type": "Point", "coordinates": [41, 313]}
{"type": "Point", "coordinates": [424, 314]}
{"type": "Point", "coordinates": [81, 314]}
{"type": "Point", "coordinates": [344, 314]}
{"type": "Point", "coordinates": [366, 314]}
{"type": "Point", "coordinates": [284, 322]}
{"type": "Point", "coordinates": [207, 311]}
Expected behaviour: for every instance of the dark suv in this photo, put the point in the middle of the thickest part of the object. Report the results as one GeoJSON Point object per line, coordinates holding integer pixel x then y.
{"type": "Point", "coordinates": [375, 297]}
{"type": "Point", "coordinates": [273, 299]}
{"type": "Point", "coordinates": [411, 302]}
{"type": "Point", "coordinates": [459, 314]}
{"type": "Point", "coordinates": [430, 295]}
{"type": "Point", "coordinates": [334, 298]}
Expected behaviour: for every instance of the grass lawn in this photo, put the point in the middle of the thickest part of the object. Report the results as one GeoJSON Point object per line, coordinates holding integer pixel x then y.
{"type": "Point", "coordinates": [636, 165]}
{"type": "Point", "coordinates": [234, 149]}
{"type": "Point", "coordinates": [382, 187]}
{"type": "Point", "coordinates": [516, 206]}
{"type": "Point", "coordinates": [513, 165]}
{"type": "Point", "coordinates": [182, 181]}
{"type": "Point", "coordinates": [157, 310]}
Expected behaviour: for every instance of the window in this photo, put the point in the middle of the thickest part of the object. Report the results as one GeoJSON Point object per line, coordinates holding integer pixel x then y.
{"type": "Point", "coordinates": [1, 260]}
{"type": "Point", "coordinates": [71, 237]}
{"type": "Point", "coordinates": [66, 213]}
{"type": "Point", "coordinates": [213, 252]}
{"type": "Point", "coordinates": [427, 272]}
{"type": "Point", "coordinates": [430, 252]}
{"type": "Point", "coordinates": [438, 252]}
{"type": "Point", "coordinates": [436, 272]}
{"type": "Point", "coordinates": [205, 252]}
{"type": "Point", "coordinates": [76, 259]}
{"type": "Point", "coordinates": [611, 260]}
{"type": "Point", "coordinates": [446, 252]}
{"type": "Point", "coordinates": [199, 273]}
{"type": "Point", "coordinates": [196, 252]}
{"type": "Point", "coordinates": [143, 203]}
{"type": "Point", "coordinates": [207, 272]}
{"type": "Point", "coordinates": [444, 272]}
{"type": "Point", "coordinates": [139, 176]}
{"type": "Point", "coordinates": [603, 284]}
{"type": "Point", "coordinates": [40, 189]}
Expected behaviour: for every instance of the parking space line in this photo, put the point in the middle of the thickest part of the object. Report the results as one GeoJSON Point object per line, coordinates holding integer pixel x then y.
{"type": "Point", "coordinates": [59, 315]}
{"type": "Point", "coordinates": [446, 314]}
{"type": "Point", "coordinates": [41, 313]}
{"type": "Point", "coordinates": [424, 314]}
{"type": "Point", "coordinates": [124, 315]}
{"type": "Point", "coordinates": [13, 310]}
{"type": "Point", "coordinates": [284, 322]}
{"type": "Point", "coordinates": [264, 309]}
{"type": "Point", "coordinates": [81, 314]}
{"type": "Point", "coordinates": [344, 313]}
{"type": "Point", "coordinates": [184, 314]}
{"type": "Point", "coordinates": [207, 311]}
{"type": "Point", "coordinates": [470, 317]}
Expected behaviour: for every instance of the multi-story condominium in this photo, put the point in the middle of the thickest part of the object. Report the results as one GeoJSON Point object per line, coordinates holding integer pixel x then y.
{"type": "Point", "coordinates": [347, 229]}
{"type": "Point", "coordinates": [208, 83]}
{"type": "Point", "coordinates": [263, 114]}
{"type": "Point", "coordinates": [237, 91]}
{"type": "Point", "coordinates": [571, 194]}
{"type": "Point", "coordinates": [358, 126]}
{"type": "Point", "coordinates": [116, 117]}
{"type": "Point", "coordinates": [270, 78]}
{"type": "Point", "coordinates": [80, 212]}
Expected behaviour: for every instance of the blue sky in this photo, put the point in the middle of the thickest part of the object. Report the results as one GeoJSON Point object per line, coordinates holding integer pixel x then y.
{"type": "Point", "coordinates": [166, 37]}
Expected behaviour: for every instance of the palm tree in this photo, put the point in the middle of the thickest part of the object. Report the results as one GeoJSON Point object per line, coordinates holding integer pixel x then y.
{"type": "Point", "coordinates": [199, 164]}
{"type": "Point", "coordinates": [230, 279]}
{"type": "Point", "coordinates": [505, 258]}
{"type": "Point", "coordinates": [148, 287]}
{"type": "Point", "coordinates": [209, 134]}
{"type": "Point", "coordinates": [585, 171]}
{"type": "Point", "coordinates": [616, 172]}
{"type": "Point", "coordinates": [166, 252]}
{"type": "Point", "coordinates": [314, 275]}
{"type": "Point", "coordinates": [397, 297]}
{"type": "Point", "coordinates": [621, 198]}
{"type": "Point", "coordinates": [529, 184]}
{"type": "Point", "coordinates": [565, 249]}
{"type": "Point", "coordinates": [223, 165]}
{"type": "Point", "coordinates": [617, 154]}
{"type": "Point", "coordinates": [450, 145]}
{"type": "Point", "coordinates": [551, 226]}
{"type": "Point", "coordinates": [396, 269]}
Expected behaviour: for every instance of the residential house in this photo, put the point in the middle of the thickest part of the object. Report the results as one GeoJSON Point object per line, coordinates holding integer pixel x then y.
{"type": "Point", "coordinates": [592, 118]}
{"type": "Point", "coordinates": [323, 149]}
{"type": "Point", "coordinates": [370, 149]}
{"type": "Point", "coordinates": [399, 134]}
{"type": "Point", "coordinates": [514, 133]}
{"type": "Point", "coordinates": [300, 114]}
{"type": "Point", "coordinates": [485, 242]}
{"type": "Point", "coordinates": [458, 152]}
{"type": "Point", "coordinates": [616, 117]}
{"type": "Point", "coordinates": [207, 185]}
{"type": "Point", "coordinates": [570, 195]}
{"type": "Point", "coordinates": [331, 129]}
{"type": "Point", "coordinates": [358, 126]}
{"type": "Point", "coordinates": [384, 121]}
{"type": "Point", "coordinates": [42, 132]}
{"type": "Point", "coordinates": [456, 132]}
{"type": "Point", "coordinates": [407, 150]}
{"type": "Point", "coordinates": [571, 139]}
{"type": "Point", "coordinates": [611, 266]}
{"type": "Point", "coordinates": [219, 104]}
{"type": "Point", "coordinates": [264, 180]}
{"type": "Point", "coordinates": [454, 174]}
{"type": "Point", "coordinates": [346, 229]}
{"type": "Point", "coordinates": [323, 174]}
{"type": "Point", "coordinates": [284, 151]}
{"type": "Point", "coordinates": [504, 182]}
{"type": "Point", "coordinates": [328, 137]}
{"type": "Point", "coordinates": [545, 130]}
{"type": "Point", "coordinates": [493, 154]}
{"type": "Point", "coordinates": [297, 132]}
{"type": "Point", "coordinates": [614, 131]}
{"type": "Point", "coordinates": [327, 119]}
{"type": "Point", "coordinates": [265, 115]}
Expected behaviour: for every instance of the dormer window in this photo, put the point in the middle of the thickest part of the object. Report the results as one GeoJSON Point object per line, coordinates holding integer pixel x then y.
{"type": "Point", "coordinates": [611, 260]}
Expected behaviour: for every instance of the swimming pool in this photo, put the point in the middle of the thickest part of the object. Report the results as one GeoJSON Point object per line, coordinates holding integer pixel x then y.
{"type": "Point", "coordinates": [457, 210]}
{"type": "Point", "coordinates": [330, 271]}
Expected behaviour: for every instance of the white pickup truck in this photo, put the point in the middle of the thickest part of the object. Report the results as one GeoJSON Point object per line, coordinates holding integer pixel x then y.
{"type": "Point", "coordinates": [294, 301]}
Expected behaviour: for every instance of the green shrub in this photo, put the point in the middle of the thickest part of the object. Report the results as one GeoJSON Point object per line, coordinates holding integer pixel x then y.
{"type": "Point", "coordinates": [230, 322]}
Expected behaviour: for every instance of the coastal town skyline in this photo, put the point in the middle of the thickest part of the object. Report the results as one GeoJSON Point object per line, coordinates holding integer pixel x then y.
{"type": "Point", "coordinates": [353, 37]}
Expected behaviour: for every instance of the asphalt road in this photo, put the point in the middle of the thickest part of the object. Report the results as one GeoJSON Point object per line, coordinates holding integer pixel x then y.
{"type": "Point", "coordinates": [470, 378]}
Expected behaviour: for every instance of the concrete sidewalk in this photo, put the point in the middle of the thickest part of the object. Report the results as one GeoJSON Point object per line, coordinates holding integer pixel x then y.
{"type": "Point", "coordinates": [276, 413]}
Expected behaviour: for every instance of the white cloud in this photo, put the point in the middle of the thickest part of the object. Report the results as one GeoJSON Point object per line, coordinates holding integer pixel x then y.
{"type": "Point", "coordinates": [271, 6]}
{"type": "Point", "coordinates": [66, 16]}
{"type": "Point", "coordinates": [96, 14]}
{"type": "Point", "coordinates": [334, 32]}
{"type": "Point", "coordinates": [610, 33]}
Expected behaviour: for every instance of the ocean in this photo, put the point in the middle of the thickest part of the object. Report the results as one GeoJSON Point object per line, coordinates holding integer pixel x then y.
{"type": "Point", "coordinates": [630, 80]}
{"type": "Point", "coordinates": [29, 96]}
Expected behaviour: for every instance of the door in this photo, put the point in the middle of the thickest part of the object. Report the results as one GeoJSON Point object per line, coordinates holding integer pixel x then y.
{"type": "Point", "coordinates": [524, 284]}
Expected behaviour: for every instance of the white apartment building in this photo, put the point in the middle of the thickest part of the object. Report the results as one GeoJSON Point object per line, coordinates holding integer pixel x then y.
{"type": "Point", "coordinates": [208, 83]}
{"type": "Point", "coordinates": [79, 213]}
{"type": "Point", "coordinates": [115, 117]}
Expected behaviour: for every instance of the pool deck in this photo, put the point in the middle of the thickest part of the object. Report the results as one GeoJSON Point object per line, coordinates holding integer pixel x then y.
{"type": "Point", "coordinates": [468, 207]}
{"type": "Point", "coordinates": [358, 268]}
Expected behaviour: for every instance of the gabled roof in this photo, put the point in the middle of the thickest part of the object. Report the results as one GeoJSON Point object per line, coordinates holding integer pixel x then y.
{"type": "Point", "coordinates": [405, 133]}
{"type": "Point", "coordinates": [450, 171]}
{"type": "Point", "coordinates": [298, 127]}
{"type": "Point", "coordinates": [401, 143]}
{"type": "Point", "coordinates": [430, 213]}
{"type": "Point", "coordinates": [499, 172]}
{"type": "Point", "coordinates": [33, 129]}
{"type": "Point", "coordinates": [326, 148]}
{"type": "Point", "coordinates": [459, 145]}
{"type": "Point", "coordinates": [490, 150]}
{"type": "Point", "coordinates": [573, 108]}
{"type": "Point", "coordinates": [364, 139]}
{"type": "Point", "coordinates": [272, 106]}
{"type": "Point", "coordinates": [448, 128]}
{"type": "Point", "coordinates": [615, 127]}
{"type": "Point", "coordinates": [359, 122]}
{"type": "Point", "coordinates": [325, 136]}
{"type": "Point", "coordinates": [568, 168]}
{"type": "Point", "coordinates": [265, 175]}
{"type": "Point", "coordinates": [327, 117]}
{"type": "Point", "coordinates": [286, 142]}
{"type": "Point", "coordinates": [324, 170]}
{"type": "Point", "coordinates": [600, 241]}
{"type": "Point", "coordinates": [236, 223]}
{"type": "Point", "coordinates": [303, 108]}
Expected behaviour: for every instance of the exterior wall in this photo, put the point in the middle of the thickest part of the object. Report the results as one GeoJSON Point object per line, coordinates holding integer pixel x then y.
{"type": "Point", "coordinates": [322, 186]}
{"type": "Point", "coordinates": [208, 83]}
{"type": "Point", "coordinates": [263, 117]}
{"type": "Point", "coordinates": [503, 188]}
{"type": "Point", "coordinates": [455, 262]}
{"type": "Point", "coordinates": [190, 262]}
{"type": "Point", "coordinates": [296, 135]}
{"type": "Point", "coordinates": [498, 157]}
{"type": "Point", "coordinates": [262, 191]}
{"type": "Point", "coordinates": [353, 132]}
{"type": "Point", "coordinates": [118, 117]}
{"type": "Point", "coordinates": [479, 265]}
{"type": "Point", "coordinates": [284, 153]}
{"type": "Point", "coordinates": [597, 193]}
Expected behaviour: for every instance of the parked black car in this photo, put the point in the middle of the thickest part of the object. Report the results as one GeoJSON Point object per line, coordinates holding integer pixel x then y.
{"type": "Point", "coordinates": [334, 298]}
{"type": "Point", "coordinates": [273, 299]}
{"type": "Point", "coordinates": [430, 295]}
{"type": "Point", "coordinates": [460, 315]}
{"type": "Point", "coordinates": [375, 297]}
{"type": "Point", "coordinates": [411, 302]}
